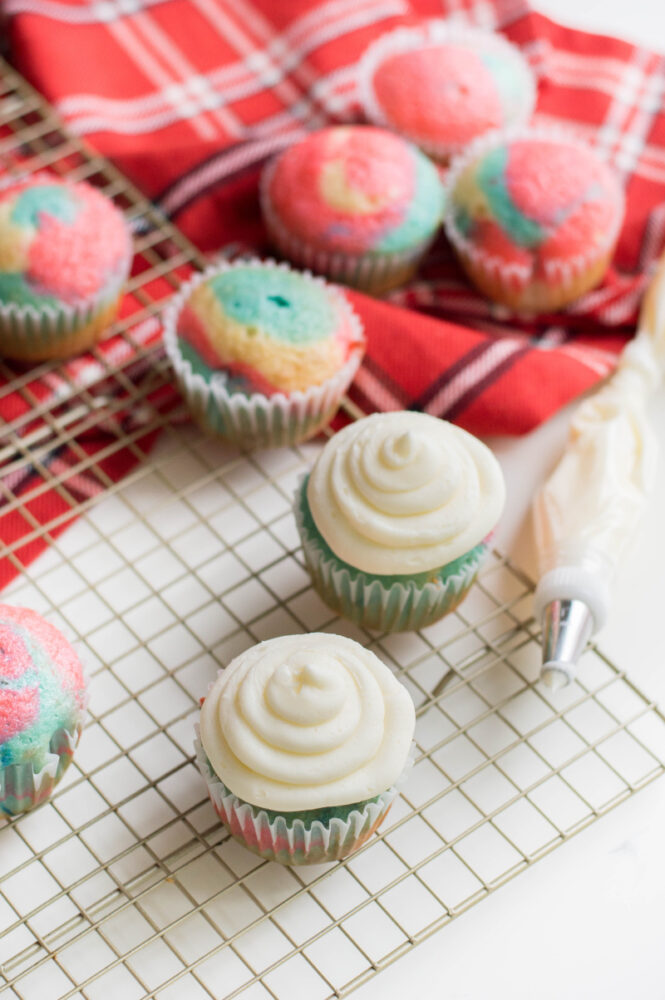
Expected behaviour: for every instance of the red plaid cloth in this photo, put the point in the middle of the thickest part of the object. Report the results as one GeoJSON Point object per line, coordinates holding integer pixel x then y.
{"type": "Point", "coordinates": [190, 97]}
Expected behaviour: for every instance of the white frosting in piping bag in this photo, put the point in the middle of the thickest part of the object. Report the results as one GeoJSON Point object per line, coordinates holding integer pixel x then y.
{"type": "Point", "coordinates": [307, 721]}
{"type": "Point", "coordinates": [588, 510]}
{"type": "Point", "coordinates": [399, 493]}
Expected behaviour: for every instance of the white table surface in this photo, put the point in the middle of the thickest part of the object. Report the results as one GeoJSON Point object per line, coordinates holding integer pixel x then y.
{"type": "Point", "coordinates": [587, 921]}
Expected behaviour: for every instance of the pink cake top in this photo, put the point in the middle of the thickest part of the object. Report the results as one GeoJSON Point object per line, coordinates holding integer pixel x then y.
{"type": "Point", "coordinates": [443, 93]}
{"type": "Point", "coordinates": [535, 202]}
{"type": "Point", "coordinates": [354, 189]}
{"type": "Point", "coordinates": [442, 85]}
{"type": "Point", "coordinates": [42, 687]}
{"type": "Point", "coordinates": [59, 242]}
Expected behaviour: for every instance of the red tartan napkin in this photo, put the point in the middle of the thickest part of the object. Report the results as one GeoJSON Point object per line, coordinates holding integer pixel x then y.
{"type": "Point", "coordinates": [190, 97]}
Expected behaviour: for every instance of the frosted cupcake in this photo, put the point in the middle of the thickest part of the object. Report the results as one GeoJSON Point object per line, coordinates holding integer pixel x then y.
{"type": "Point", "coordinates": [442, 85]}
{"type": "Point", "coordinates": [42, 701]}
{"type": "Point", "coordinates": [261, 353]}
{"type": "Point", "coordinates": [65, 253]}
{"type": "Point", "coordinates": [302, 739]}
{"type": "Point", "coordinates": [395, 517]}
{"type": "Point", "coordinates": [355, 203]}
{"type": "Point", "coordinates": [534, 218]}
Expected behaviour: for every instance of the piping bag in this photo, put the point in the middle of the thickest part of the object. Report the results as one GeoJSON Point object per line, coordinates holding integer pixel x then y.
{"type": "Point", "coordinates": [588, 510]}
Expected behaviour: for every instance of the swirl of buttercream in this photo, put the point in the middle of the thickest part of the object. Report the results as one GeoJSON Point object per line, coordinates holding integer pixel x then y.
{"type": "Point", "coordinates": [400, 493]}
{"type": "Point", "coordinates": [307, 721]}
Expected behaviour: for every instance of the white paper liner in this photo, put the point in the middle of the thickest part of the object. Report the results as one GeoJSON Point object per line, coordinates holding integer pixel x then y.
{"type": "Point", "coordinates": [374, 272]}
{"type": "Point", "coordinates": [443, 32]}
{"type": "Point", "coordinates": [258, 421]}
{"type": "Point", "coordinates": [562, 274]}
{"type": "Point", "coordinates": [37, 333]}
{"type": "Point", "coordinates": [368, 601]}
{"type": "Point", "coordinates": [22, 788]}
{"type": "Point", "coordinates": [295, 843]}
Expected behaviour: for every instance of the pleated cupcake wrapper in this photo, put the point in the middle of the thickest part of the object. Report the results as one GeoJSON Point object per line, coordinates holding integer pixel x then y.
{"type": "Point", "coordinates": [367, 601]}
{"type": "Point", "coordinates": [33, 332]}
{"type": "Point", "coordinates": [560, 272]}
{"type": "Point", "coordinates": [375, 272]}
{"type": "Point", "coordinates": [291, 843]}
{"type": "Point", "coordinates": [258, 421]}
{"type": "Point", "coordinates": [22, 788]}
{"type": "Point", "coordinates": [438, 32]}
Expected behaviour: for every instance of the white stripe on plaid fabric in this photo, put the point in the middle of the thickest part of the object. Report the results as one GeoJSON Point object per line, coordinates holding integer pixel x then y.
{"type": "Point", "coordinates": [650, 166]}
{"type": "Point", "coordinates": [484, 14]}
{"type": "Point", "coordinates": [596, 360]}
{"type": "Point", "coordinates": [376, 391]}
{"type": "Point", "coordinates": [232, 160]}
{"type": "Point", "coordinates": [126, 37]}
{"type": "Point", "coordinates": [83, 372]}
{"type": "Point", "coordinates": [88, 113]}
{"type": "Point", "coordinates": [256, 60]}
{"type": "Point", "coordinates": [97, 12]}
{"type": "Point", "coordinates": [172, 56]}
{"type": "Point", "coordinates": [613, 131]}
{"type": "Point", "coordinates": [475, 372]}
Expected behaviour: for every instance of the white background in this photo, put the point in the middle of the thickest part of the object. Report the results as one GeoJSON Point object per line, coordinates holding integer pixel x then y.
{"type": "Point", "coordinates": [588, 921]}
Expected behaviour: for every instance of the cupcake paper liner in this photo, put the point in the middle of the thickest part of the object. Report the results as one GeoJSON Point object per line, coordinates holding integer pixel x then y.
{"type": "Point", "coordinates": [28, 333]}
{"type": "Point", "coordinates": [22, 788]}
{"type": "Point", "coordinates": [293, 842]}
{"type": "Point", "coordinates": [258, 421]}
{"type": "Point", "coordinates": [512, 284]}
{"type": "Point", "coordinates": [370, 272]}
{"type": "Point", "coordinates": [438, 32]}
{"type": "Point", "coordinates": [371, 603]}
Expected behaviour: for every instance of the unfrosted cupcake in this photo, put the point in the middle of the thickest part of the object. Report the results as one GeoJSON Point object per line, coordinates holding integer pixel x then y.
{"type": "Point", "coordinates": [65, 253]}
{"type": "Point", "coordinates": [395, 517]}
{"type": "Point", "coordinates": [355, 203]}
{"type": "Point", "coordinates": [262, 354]}
{"type": "Point", "coordinates": [42, 702]}
{"type": "Point", "coordinates": [302, 739]}
{"type": "Point", "coordinates": [442, 85]}
{"type": "Point", "coordinates": [534, 217]}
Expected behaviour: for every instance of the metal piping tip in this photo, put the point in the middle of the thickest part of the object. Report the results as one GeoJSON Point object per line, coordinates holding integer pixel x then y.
{"type": "Point", "coordinates": [567, 627]}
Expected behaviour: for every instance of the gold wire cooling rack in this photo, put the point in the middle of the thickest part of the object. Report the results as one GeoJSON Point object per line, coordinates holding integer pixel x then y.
{"type": "Point", "coordinates": [125, 884]}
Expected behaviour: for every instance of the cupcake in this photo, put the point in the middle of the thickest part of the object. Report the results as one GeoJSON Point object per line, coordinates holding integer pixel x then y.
{"type": "Point", "coordinates": [302, 739]}
{"type": "Point", "coordinates": [534, 217]}
{"type": "Point", "coordinates": [395, 518]}
{"type": "Point", "coordinates": [442, 85]}
{"type": "Point", "coordinates": [262, 354]}
{"type": "Point", "coordinates": [65, 253]}
{"type": "Point", "coordinates": [42, 702]}
{"type": "Point", "coordinates": [355, 203]}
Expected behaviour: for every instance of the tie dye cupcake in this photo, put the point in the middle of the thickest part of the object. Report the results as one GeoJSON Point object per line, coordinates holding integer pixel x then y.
{"type": "Point", "coordinates": [302, 741]}
{"type": "Point", "coordinates": [355, 203]}
{"type": "Point", "coordinates": [441, 85]}
{"type": "Point", "coordinates": [42, 703]}
{"type": "Point", "coordinates": [395, 519]}
{"type": "Point", "coordinates": [65, 253]}
{"type": "Point", "coordinates": [534, 217]}
{"type": "Point", "coordinates": [262, 354]}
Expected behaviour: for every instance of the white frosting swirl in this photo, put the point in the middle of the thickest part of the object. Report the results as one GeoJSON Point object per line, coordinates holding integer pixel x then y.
{"type": "Point", "coordinates": [307, 721]}
{"type": "Point", "coordinates": [400, 493]}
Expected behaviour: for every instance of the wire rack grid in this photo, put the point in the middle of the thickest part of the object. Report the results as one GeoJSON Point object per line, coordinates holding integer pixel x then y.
{"type": "Point", "coordinates": [125, 884]}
